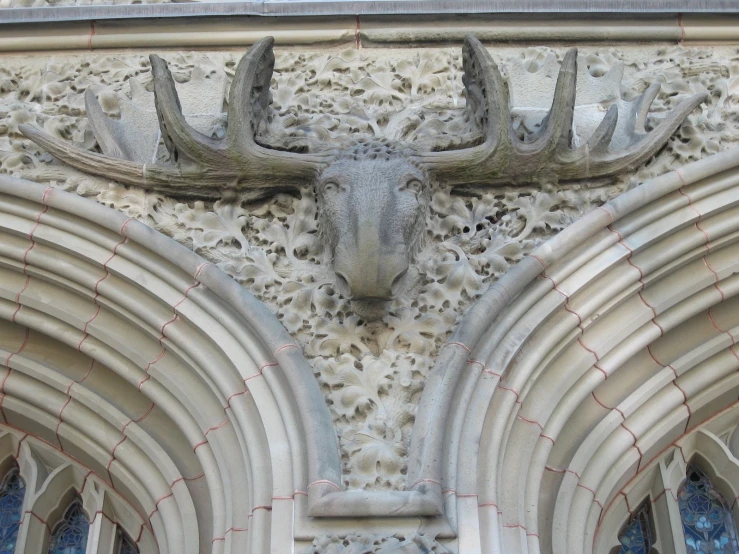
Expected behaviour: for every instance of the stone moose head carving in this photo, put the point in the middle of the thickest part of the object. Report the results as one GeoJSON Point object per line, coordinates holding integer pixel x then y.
{"type": "Point", "coordinates": [373, 197]}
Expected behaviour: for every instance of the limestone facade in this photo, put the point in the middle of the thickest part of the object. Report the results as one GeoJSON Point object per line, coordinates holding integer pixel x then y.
{"type": "Point", "coordinates": [191, 369]}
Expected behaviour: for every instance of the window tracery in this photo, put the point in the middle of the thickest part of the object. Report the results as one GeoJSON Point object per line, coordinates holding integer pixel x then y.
{"type": "Point", "coordinates": [636, 536]}
{"type": "Point", "coordinates": [708, 523]}
{"type": "Point", "coordinates": [12, 492]}
{"type": "Point", "coordinates": [70, 535]}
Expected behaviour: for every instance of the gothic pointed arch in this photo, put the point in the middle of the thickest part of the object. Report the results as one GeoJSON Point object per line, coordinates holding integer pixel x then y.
{"type": "Point", "coordinates": [705, 514]}
{"type": "Point", "coordinates": [154, 375]}
{"type": "Point", "coordinates": [71, 533]}
{"type": "Point", "coordinates": [584, 366]}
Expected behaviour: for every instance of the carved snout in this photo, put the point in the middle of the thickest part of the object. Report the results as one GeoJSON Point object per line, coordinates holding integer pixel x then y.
{"type": "Point", "coordinates": [370, 274]}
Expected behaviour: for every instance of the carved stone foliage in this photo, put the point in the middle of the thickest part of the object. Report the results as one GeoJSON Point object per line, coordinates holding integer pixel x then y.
{"type": "Point", "coordinates": [363, 543]}
{"type": "Point", "coordinates": [371, 365]}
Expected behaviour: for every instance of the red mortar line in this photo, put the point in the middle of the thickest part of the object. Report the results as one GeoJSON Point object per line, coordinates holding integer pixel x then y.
{"type": "Point", "coordinates": [18, 298]}
{"type": "Point", "coordinates": [418, 481]}
{"type": "Point", "coordinates": [228, 400]}
{"type": "Point", "coordinates": [720, 330]}
{"type": "Point", "coordinates": [25, 254]}
{"type": "Point", "coordinates": [673, 444]}
{"type": "Point", "coordinates": [595, 355]}
{"type": "Point", "coordinates": [84, 481]}
{"type": "Point", "coordinates": [230, 530]}
{"type": "Point", "coordinates": [148, 367]}
{"type": "Point", "coordinates": [124, 437]}
{"type": "Point", "coordinates": [257, 374]}
{"type": "Point", "coordinates": [97, 284]}
{"type": "Point", "coordinates": [489, 505]}
{"type": "Point", "coordinates": [664, 491]}
{"type": "Point", "coordinates": [631, 254]}
{"type": "Point", "coordinates": [539, 425]}
{"type": "Point", "coordinates": [176, 315]}
{"type": "Point", "coordinates": [325, 482]}
{"type": "Point", "coordinates": [464, 346]}
{"type": "Point", "coordinates": [514, 526]}
{"type": "Point", "coordinates": [555, 287]}
{"type": "Point", "coordinates": [543, 275]}
{"type": "Point", "coordinates": [641, 279]}
{"type": "Point", "coordinates": [285, 347]}
{"type": "Point", "coordinates": [60, 420]}
{"type": "Point", "coordinates": [622, 424]}
{"type": "Point", "coordinates": [484, 368]}
{"type": "Point", "coordinates": [159, 501]}
{"type": "Point", "coordinates": [555, 470]}
{"type": "Point", "coordinates": [598, 502]}
{"type": "Point", "coordinates": [18, 451]}
{"type": "Point", "coordinates": [626, 499]}
{"type": "Point", "coordinates": [213, 428]}
{"type": "Point", "coordinates": [610, 215]}
{"type": "Point", "coordinates": [519, 526]}
{"type": "Point", "coordinates": [616, 408]}
{"type": "Point", "coordinates": [692, 207]}
{"type": "Point", "coordinates": [33, 244]}
{"type": "Point", "coordinates": [182, 478]}
{"type": "Point", "coordinates": [715, 274]}
{"type": "Point", "coordinates": [90, 471]}
{"type": "Point", "coordinates": [38, 517]}
{"type": "Point", "coordinates": [541, 262]}
{"type": "Point", "coordinates": [84, 378]}
{"type": "Point", "coordinates": [674, 382]}
{"type": "Point", "coordinates": [261, 507]}
{"type": "Point", "coordinates": [500, 386]}
{"type": "Point", "coordinates": [7, 374]}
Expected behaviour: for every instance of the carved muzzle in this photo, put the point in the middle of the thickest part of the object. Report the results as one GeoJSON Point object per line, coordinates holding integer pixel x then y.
{"type": "Point", "coordinates": [371, 266]}
{"type": "Point", "coordinates": [373, 213]}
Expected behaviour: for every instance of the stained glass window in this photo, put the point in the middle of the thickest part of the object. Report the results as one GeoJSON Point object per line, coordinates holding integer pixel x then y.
{"type": "Point", "coordinates": [12, 492]}
{"type": "Point", "coordinates": [708, 524]}
{"type": "Point", "coordinates": [70, 535]}
{"type": "Point", "coordinates": [636, 536]}
{"type": "Point", "coordinates": [125, 544]}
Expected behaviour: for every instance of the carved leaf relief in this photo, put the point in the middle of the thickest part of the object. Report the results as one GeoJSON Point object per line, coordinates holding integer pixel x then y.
{"type": "Point", "coordinates": [371, 366]}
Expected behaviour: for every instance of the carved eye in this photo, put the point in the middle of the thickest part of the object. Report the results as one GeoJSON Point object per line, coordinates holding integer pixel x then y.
{"type": "Point", "coordinates": [331, 187]}
{"type": "Point", "coordinates": [413, 185]}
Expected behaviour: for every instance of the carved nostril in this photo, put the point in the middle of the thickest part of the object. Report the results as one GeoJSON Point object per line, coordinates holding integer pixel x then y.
{"type": "Point", "coordinates": [343, 285]}
{"type": "Point", "coordinates": [398, 282]}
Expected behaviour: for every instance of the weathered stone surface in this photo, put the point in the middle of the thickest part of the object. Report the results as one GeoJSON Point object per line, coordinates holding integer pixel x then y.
{"type": "Point", "coordinates": [372, 367]}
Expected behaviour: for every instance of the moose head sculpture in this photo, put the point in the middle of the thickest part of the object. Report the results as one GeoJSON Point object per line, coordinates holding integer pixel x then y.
{"type": "Point", "coordinates": [373, 196]}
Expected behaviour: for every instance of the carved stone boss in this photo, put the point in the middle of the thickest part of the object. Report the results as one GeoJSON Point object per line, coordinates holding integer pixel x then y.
{"type": "Point", "coordinates": [373, 196]}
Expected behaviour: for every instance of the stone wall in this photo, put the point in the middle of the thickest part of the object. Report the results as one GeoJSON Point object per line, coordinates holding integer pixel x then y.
{"type": "Point", "coordinates": [371, 367]}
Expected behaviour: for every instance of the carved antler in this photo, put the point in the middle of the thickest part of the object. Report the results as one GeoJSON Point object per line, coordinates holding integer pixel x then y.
{"type": "Point", "coordinates": [503, 157]}
{"type": "Point", "coordinates": [204, 167]}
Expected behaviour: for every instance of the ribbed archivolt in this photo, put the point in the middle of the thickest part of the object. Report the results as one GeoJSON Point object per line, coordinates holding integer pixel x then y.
{"type": "Point", "coordinates": [608, 360]}
{"type": "Point", "coordinates": [121, 354]}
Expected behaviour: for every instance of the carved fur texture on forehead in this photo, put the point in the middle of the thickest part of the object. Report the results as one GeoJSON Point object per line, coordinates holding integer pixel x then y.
{"type": "Point", "coordinates": [377, 149]}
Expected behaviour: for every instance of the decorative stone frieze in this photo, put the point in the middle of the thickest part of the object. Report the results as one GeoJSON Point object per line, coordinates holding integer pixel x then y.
{"type": "Point", "coordinates": [415, 99]}
{"type": "Point", "coordinates": [485, 465]}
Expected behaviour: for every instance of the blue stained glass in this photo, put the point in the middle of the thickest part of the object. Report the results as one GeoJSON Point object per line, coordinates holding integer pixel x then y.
{"type": "Point", "coordinates": [11, 510]}
{"type": "Point", "coordinates": [708, 524]}
{"type": "Point", "coordinates": [636, 537]}
{"type": "Point", "coordinates": [70, 535]}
